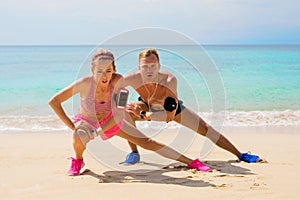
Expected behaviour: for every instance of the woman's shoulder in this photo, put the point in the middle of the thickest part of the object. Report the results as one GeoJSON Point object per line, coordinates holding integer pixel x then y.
{"type": "Point", "coordinates": [83, 83]}
{"type": "Point", "coordinates": [85, 80]}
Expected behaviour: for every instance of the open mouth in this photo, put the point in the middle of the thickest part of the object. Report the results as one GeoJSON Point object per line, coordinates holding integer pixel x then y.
{"type": "Point", "coordinates": [104, 81]}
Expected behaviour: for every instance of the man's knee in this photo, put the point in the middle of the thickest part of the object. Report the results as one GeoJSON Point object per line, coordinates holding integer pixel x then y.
{"type": "Point", "coordinates": [203, 128]}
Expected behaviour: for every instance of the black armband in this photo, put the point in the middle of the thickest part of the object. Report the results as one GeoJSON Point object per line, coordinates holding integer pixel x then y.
{"type": "Point", "coordinates": [170, 104]}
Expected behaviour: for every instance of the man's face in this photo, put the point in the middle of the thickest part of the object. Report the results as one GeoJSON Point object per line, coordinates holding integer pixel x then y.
{"type": "Point", "coordinates": [149, 67]}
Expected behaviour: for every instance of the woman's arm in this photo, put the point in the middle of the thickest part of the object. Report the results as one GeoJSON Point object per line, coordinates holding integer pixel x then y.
{"type": "Point", "coordinates": [66, 93]}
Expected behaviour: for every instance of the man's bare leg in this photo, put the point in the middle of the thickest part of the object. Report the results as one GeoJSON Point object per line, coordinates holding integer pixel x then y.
{"type": "Point", "coordinates": [191, 120]}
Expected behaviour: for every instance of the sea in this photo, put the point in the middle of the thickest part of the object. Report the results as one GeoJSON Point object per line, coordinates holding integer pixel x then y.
{"type": "Point", "coordinates": [247, 85]}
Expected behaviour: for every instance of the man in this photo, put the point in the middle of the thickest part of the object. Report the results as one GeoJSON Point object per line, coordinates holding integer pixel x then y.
{"type": "Point", "coordinates": [158, 101]}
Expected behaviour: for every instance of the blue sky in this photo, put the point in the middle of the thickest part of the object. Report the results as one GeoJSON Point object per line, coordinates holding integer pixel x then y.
{"type": "Point", "coordinates": [30, 22]}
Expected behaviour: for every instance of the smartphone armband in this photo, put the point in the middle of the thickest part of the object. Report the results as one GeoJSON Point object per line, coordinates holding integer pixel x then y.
{"type": "Point", "coordinates": [122, 98]}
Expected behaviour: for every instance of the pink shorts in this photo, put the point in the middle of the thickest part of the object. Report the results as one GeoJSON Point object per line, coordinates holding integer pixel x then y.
{"type": "Point", "coordinates": [96, 124]}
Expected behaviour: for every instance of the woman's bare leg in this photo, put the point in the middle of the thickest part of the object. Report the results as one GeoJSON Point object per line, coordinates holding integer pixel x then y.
{"type": "Point", "coordinates": [80, 139]}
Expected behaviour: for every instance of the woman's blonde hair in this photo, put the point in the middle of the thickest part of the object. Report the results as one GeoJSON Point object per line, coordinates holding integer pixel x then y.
{"type": "Point", "coordinates": [103, 54]}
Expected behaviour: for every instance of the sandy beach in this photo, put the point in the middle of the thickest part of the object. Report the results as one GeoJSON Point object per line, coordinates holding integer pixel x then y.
{"type": "Point", "coordinates": [33, 166]}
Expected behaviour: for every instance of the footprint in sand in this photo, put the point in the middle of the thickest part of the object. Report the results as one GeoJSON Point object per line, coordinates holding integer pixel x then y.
{"type": "Point", "coordinates": [133, 181]}
{"type": "Point", "coordinates": [174, 167]}
{"type": "Point", "coordinates": [226, 175]}
{"type": "Point", "coordinates": [259, 186]}
{"type": "Point", "coordinates": [261, 160]}
{"type": "Point", "coordinates": [103, 181]}
{"type": "Point", "coordinates": [222, 186]}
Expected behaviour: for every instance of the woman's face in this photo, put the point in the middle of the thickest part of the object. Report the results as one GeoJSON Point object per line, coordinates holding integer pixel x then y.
{"type": "Point", "coordinates": [103, 71]}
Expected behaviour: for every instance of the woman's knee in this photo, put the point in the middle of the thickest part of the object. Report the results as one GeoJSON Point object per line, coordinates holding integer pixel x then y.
{"type": "Point", "coordinates": [81, 136]}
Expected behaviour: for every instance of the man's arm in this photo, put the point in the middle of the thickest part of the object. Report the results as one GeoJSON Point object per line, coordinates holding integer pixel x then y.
{"type": "Point", "coordinates": [170, 104]}
{"type": "Point", "coordinates": [131, 79]}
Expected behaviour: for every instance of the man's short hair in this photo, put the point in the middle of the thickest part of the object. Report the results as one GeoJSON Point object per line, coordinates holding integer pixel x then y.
{"type": "Point", "coordinates": [148, 52]}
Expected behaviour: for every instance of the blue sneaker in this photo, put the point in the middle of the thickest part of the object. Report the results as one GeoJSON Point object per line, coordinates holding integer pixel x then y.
{"type": "Point", "coordinates": [247, 157]}
{"type": "Point", "coordinates": [132, 158]}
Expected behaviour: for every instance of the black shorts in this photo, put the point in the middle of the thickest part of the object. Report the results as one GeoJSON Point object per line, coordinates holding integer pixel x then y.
{"type": "Point", "coordinates": [180, 106]}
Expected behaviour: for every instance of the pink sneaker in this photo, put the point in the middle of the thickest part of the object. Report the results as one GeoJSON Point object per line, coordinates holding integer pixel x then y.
{"type": "Point", "coordinates": [76, 166]}
{"type": "Point", "coordinates": [198, 165]}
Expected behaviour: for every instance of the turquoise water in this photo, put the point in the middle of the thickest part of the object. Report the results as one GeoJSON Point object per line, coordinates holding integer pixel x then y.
{"type": "Point", "coordinates": [257, 81]}
{"type": "Point", "coordinates": [260, 77]}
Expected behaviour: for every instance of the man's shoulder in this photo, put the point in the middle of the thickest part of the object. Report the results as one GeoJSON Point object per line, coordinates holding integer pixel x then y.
{"type": "Point", "coordinates": [168, 76]}
{"type": "Point", "coordinates": [132, 78]}
{"type": "Point", "coordinates": [134, 74]}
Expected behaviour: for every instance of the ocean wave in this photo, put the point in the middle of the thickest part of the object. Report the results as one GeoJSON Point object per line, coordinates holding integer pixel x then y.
{"type": "Point", "coordinates": [255, 118]}
{"type": "Point", "coordinates": [227, 118]}
{"type": "Point", "coordinates": [31, 123]}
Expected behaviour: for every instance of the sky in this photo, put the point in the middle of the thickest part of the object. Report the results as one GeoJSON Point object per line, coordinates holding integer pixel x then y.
{"type": "Point", "coordinates": [78, 22]}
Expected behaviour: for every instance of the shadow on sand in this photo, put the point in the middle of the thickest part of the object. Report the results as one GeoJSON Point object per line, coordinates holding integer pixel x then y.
{"type": "Point", "coordinates": [189, 178]}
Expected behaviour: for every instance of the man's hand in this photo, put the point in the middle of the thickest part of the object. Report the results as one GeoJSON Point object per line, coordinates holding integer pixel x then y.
{"type": "Point", "coordinates": [134, 108]}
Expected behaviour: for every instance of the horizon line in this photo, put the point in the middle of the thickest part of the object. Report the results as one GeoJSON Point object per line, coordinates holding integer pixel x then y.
{"type": "Point", "coordinates": [240, 44]}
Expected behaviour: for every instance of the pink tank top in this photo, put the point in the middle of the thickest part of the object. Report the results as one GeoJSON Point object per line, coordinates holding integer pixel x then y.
{"type": "Point", "coordinates": [91, 106]}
